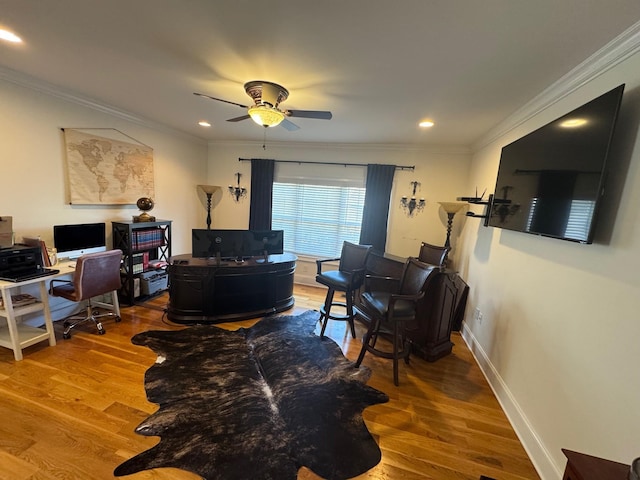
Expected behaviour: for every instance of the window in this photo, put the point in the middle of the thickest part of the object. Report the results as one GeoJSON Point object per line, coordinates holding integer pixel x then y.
{"type": "Point", "coordinates": [577, 224]}
{"type": "Point", "coordinates": [580, 216]}
{"type": "Point", "coordinates": [318, 213]}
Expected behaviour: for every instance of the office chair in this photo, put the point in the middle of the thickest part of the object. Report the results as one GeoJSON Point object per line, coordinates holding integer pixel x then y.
{"type": "Point", "coordinates": [393, 313]}
{"type": "Point", "coordinates": [348, 278]}
{"type": "Point", "coordinates": [433, 254]}
{"type": "Point", "coordinates": [95, 274]}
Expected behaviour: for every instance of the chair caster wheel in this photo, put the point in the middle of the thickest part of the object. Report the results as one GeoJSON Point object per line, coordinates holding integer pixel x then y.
{"type": "Point", "coordinates": [66, 336]}
{"type": "Point", "coordinates": [102, 332]}
{"type": "Point", "coordinates": [118, 319]}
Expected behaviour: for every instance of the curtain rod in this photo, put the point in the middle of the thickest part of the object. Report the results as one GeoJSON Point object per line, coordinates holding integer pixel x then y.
{"type": "Point", "coordinates": [398, 167]}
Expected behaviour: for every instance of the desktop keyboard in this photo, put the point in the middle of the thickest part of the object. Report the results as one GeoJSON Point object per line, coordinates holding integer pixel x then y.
{"type": "Point", "coordinates": [21, 277]}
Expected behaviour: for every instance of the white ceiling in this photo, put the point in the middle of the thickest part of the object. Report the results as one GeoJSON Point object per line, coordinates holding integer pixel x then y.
{"type": "Point", "coordinates": [379, 66]}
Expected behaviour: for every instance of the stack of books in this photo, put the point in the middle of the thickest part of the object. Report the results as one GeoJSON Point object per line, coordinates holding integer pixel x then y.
{"type": "Point", "coordinates": [19, 300]}
{"type": "Point", "coordinates": [148, 238]}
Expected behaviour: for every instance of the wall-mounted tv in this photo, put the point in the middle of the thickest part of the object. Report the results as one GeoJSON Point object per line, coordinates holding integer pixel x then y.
{"type": "Point", "coordinates": [75, 240]}
{"type": "Point", "coordinates": [235, 244]}
{"type": "Point", "coordinates": [550, 182]}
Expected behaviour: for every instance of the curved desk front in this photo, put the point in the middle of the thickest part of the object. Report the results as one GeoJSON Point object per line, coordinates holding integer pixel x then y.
{"type": "Point", "coordinates": [203, 291]}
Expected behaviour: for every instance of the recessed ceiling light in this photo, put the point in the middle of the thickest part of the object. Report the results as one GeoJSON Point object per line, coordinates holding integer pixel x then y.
{"type": "Point", "coordinates": [204, 123]}
{"type": "Point", "coordinates": [573, 123]}
{"type": "Point", "coordinates": [9, 36]}
{"type": "Point", "coordinates": [426, 124]}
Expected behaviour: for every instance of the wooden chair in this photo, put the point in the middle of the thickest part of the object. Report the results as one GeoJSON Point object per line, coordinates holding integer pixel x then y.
{"type": "Point", "coordinates": [95, 274]}
{"type": "Point", "coordinates": [393, 312]}
{"type": "Point", "coordinates": [348, 278]}
{"type": "Point", "coordinates": [433, 254]}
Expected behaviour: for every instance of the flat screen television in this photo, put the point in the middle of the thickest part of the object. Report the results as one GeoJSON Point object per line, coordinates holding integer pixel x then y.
{"type": "Point", "coordinates": [551, 181]}
{"type": "Point", "coordinates": [72, 241]}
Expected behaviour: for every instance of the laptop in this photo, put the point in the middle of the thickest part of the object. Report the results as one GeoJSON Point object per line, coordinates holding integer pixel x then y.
{"type": "Point", "coordinates": [30, 274]}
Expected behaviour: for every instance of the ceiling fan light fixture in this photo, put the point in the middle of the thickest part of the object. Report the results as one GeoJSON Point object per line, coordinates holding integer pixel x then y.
{"type": "Point", "coordinates": [266, 116]}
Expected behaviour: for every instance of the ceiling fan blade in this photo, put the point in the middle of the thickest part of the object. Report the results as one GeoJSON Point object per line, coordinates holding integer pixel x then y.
{"type": "Point", "coordinates": [289, 125]}
{"type": "Point", "coordinates": [219, 99]}
{"type": "Point", "coordinates": [309, 114]}
{"type": "Point", "coordinates": [237, 119]}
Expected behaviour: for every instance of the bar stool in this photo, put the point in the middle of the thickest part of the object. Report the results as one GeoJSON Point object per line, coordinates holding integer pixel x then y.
{"type": "Point", "coordinates": [394, 312]}
{"type": "Point", "coordinates": [348, 278]}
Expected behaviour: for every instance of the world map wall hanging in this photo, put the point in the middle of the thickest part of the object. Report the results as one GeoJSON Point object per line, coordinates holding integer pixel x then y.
{"type": "Point", "coordinates": [103, 170]}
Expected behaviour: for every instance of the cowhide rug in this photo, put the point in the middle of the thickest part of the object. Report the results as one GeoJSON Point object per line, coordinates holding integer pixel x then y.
{"type": "Point", "coordinates": [259, 402]}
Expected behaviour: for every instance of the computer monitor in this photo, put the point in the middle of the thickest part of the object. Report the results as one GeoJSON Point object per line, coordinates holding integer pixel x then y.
{"type": "Point", "coordinates": [217, 243]}
{"type": "Point", "coordinates": [72, 241]}
{"type": "Point", "coordinates": [264, 242]}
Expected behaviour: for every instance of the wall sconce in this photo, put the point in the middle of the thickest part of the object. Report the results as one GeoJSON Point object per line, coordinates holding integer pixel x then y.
{"type": "Point", "coordinates": [237, 192]}
{"type": "Point", "coordinates": [412, 205]}
{"type": "Point", "coordinates": [451, 208]}
{"type": "Point", "coordinates": [208, 190]}
{"type": "Point", "coordinates": [502, 207]}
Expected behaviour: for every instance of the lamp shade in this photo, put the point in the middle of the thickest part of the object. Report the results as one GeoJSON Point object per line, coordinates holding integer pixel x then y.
{"type": "Point", "coordinates": [266, 116]}
{"type": "Point", "coordinates": [209, 189]}
{"type": "Point", "coordinates": [452, 207]}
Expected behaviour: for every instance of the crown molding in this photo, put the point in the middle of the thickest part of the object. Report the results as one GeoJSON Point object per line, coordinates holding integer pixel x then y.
{"type": "Point", "coordinates": [32, 83]}
{"type": "Point", "coordinates": [389, 147]}
{"type": "Point", "coordinates": [612, 54]}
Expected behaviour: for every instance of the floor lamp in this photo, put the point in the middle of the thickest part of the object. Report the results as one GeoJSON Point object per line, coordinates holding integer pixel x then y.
{"type": "Point", "coordinates": [451, 208]}
{"type": "Point", "coordinates": [208, 190]}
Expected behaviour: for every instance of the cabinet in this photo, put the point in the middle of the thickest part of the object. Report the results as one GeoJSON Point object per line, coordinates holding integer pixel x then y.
{"type": "Point", "coordinates": [438, 312]}
{"type": "Point", "coordinates": [142, 244]}
{"type": "Point", "coordinates": [586, 467]}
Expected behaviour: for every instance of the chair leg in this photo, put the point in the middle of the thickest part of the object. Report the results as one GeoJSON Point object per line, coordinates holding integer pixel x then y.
{"type": "Point", "coordinates": [370, 335]}
{"type": "Point", "coordinates": [363, 350]}
{"type": "Point", "coordinates": [326, 310]}
{"type": "Point", "coordinates": [396, 339]}
{"type": "Point", "coordinates": [349, 297]}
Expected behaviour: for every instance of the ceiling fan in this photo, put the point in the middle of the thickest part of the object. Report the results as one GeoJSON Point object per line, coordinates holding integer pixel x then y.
{"type": "Point", "coordinates": [267, 97]}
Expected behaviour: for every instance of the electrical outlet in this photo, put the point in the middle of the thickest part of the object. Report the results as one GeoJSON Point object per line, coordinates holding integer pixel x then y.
{"type": "Point", "coordinates": [476, 314]}
{"type": "Point", "coordinates": [480, 317]}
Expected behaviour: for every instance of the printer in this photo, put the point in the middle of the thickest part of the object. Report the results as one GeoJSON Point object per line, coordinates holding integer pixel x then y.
{"type": "Point", "coordinates": [20, 261]}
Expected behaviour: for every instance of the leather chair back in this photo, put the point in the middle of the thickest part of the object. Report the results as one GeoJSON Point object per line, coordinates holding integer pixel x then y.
{"type": "Point", "coordinates": [353, 257]}
{"type": "Point", "coordinates": [416, 276]}
{"type": "Point", "coordinates": [97, 273]}
{"type": "Point", "coordinates": [433, 254]}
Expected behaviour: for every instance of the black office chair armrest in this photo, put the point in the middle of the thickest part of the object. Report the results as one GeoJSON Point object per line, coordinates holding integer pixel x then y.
{"type": "Point", "coordinates": [396, 298]}
{"type": "Point", "coordinates": [319, 263]}
{"type": "Point", "coordinates": [57, 280]}
{"type": "Point", "coordinates": [357, 277]}
{"type": "Point", "coordinates": [411, 298]}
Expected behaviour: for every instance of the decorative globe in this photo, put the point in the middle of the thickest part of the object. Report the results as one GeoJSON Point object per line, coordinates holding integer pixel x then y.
{"type": "Point", "coordinates": [145, 204]}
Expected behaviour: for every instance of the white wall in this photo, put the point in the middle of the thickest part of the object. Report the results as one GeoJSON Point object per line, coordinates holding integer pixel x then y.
{"type": "Point", "coordinates": [33, 175]}
{"type": "Point", "coordinates": [442, 173]}
{"type": "Point", "coordinates": [561, 321]}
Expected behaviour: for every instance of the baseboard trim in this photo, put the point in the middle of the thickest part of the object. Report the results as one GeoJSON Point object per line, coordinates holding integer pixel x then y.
{"type": "Point", "coordinates": [532, 443]}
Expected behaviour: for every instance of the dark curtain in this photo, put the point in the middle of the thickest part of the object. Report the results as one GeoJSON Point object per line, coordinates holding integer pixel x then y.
{"type": "Point", "coordinates": [261, 194]}
{"type": "Point", "coordinates": [376, 206]}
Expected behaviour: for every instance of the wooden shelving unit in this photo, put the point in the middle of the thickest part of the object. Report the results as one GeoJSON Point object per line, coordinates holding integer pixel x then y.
{"type": "Point", "coordinates": [132, 239]}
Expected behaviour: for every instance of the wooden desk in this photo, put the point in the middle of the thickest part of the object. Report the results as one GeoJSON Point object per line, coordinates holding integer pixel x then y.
{"type": "Point", "coordinates": [201, 291]}
{"type": "Point", "coordinates": [586, 467]}
{"type": "Point", "coordinates": [17, 336]}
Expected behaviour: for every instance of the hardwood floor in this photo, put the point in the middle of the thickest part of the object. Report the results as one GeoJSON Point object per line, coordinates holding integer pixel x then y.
{"type": "Point", "coordinates": [69, 411]}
